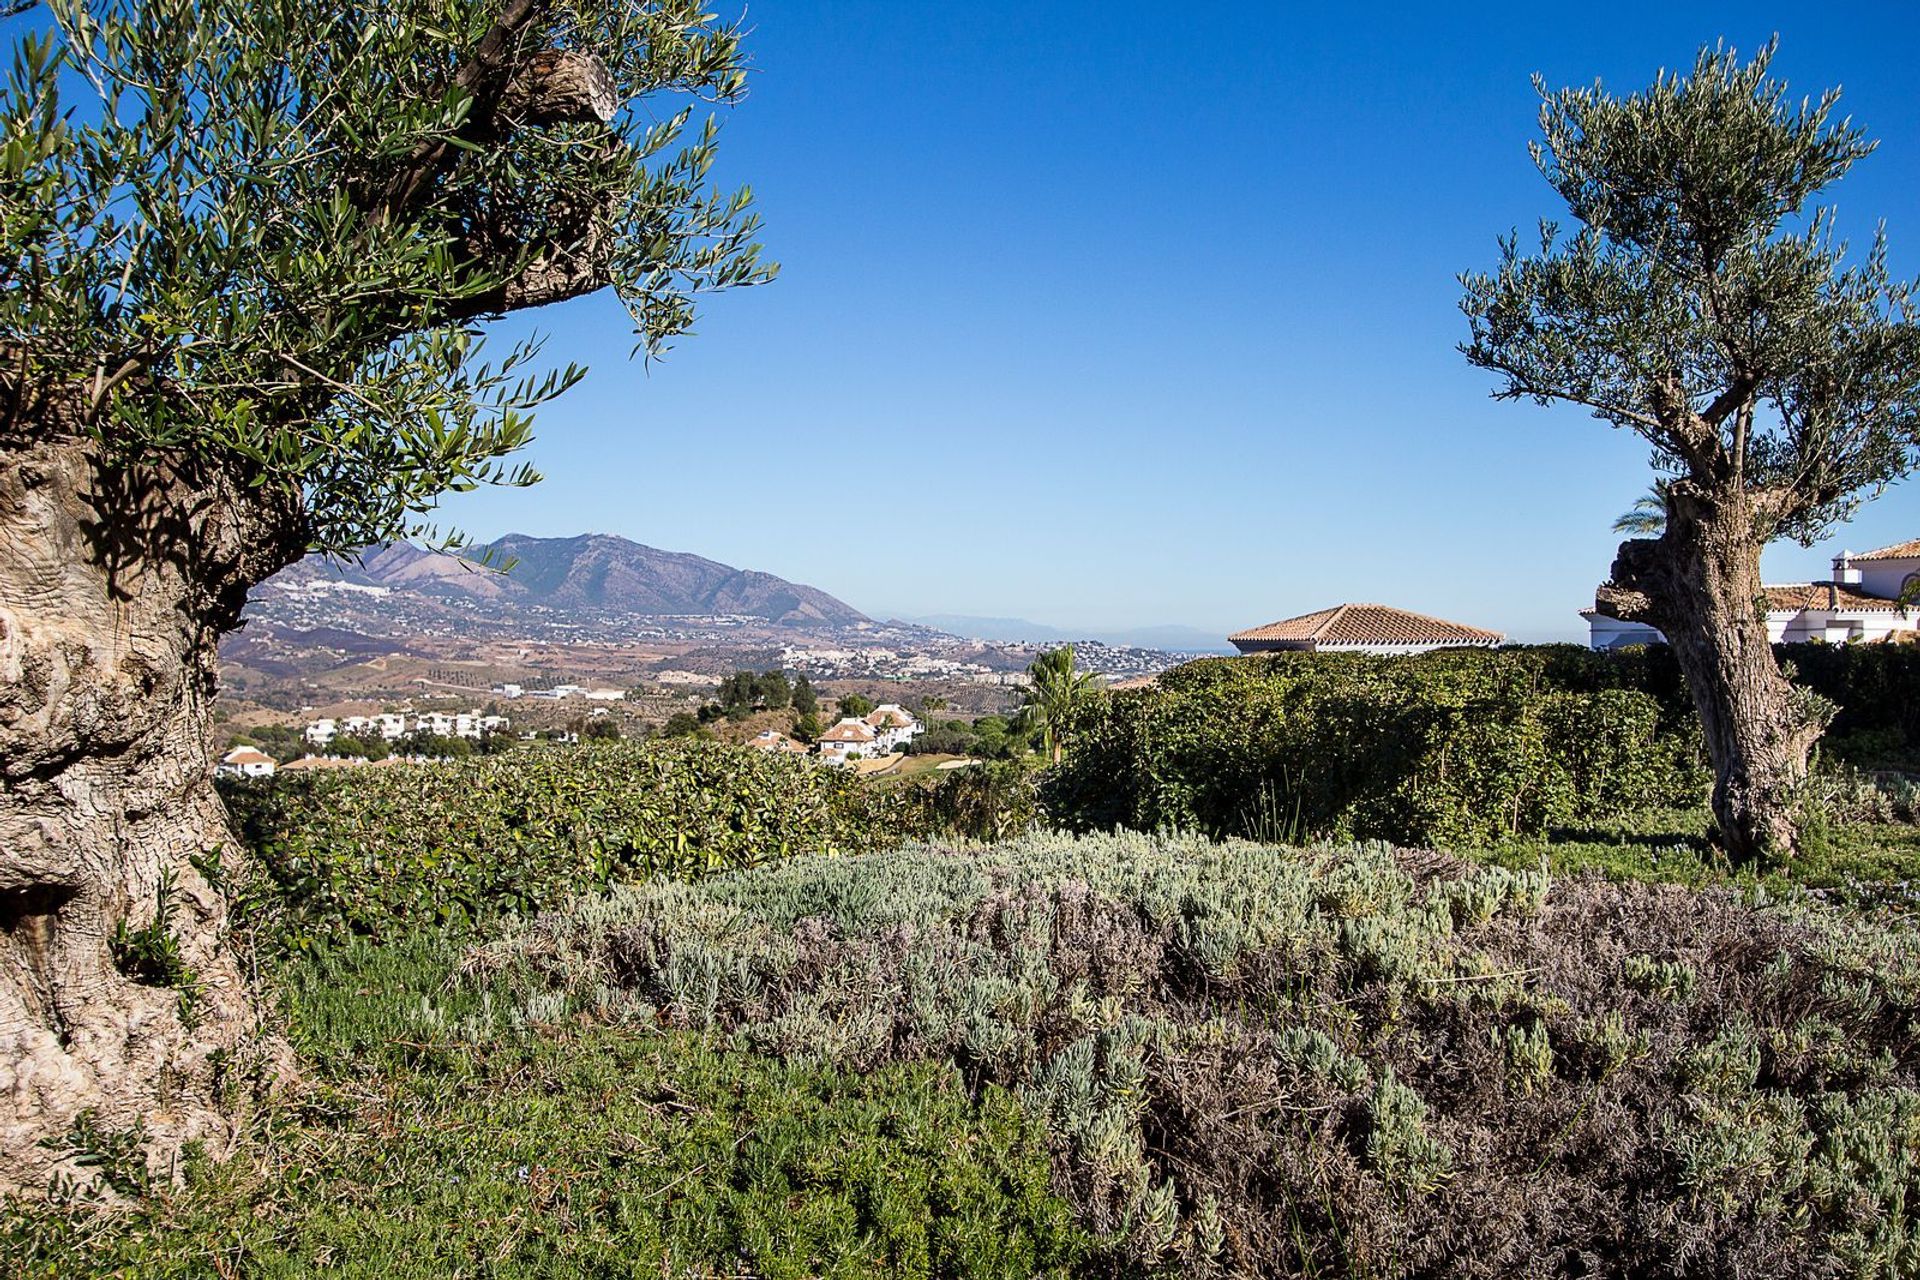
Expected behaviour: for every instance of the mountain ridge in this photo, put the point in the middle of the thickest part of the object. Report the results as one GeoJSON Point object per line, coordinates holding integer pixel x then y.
{"type": "Point", "coordinates": [590, 570]}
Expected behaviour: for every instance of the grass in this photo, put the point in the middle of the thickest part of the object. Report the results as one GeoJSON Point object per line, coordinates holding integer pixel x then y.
{"type": "Point", "coordinates": [921, 766]}
{"type": "Point", "coordinates": [418, 1149]}
{"type": "Point", "coordinates": [1870, 865]}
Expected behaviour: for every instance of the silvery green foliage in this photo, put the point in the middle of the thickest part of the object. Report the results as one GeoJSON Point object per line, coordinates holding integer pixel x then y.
{"type": "Point", "coordinates": [854, 960]}
{"type": "Point", "coordinates": [1275, 1061]}
{"type": "Point", "coordinates": [1399, 1146]}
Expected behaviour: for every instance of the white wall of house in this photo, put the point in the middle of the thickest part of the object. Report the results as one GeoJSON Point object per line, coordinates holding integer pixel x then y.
{"type": "Point", "coordinates": [1612, 633]}
{"type": "Point", "coordinates": [1784, 626]}
{"type": "Point", "coordinates": [1850, 621]}
{"type": "Point", "coordinates": [1884, 578]}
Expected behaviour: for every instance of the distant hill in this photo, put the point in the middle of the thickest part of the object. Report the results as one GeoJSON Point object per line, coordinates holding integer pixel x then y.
{"type": "Point", "coordinates": [1173, 639]}
{"type": "Point", "coordinates": [592, 571]}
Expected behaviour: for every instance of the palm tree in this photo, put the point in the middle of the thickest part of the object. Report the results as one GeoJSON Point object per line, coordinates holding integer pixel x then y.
{"type": "Point", "coordinates": [1055, 691]}
{"type": "Point", "coordinates": [1647, 517]}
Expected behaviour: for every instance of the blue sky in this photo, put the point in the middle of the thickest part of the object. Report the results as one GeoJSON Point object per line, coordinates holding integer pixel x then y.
{"type": "Point", "coordinates": [1115, 314]}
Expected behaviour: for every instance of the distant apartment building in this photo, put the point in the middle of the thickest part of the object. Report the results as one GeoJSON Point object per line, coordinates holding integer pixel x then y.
{"type": "Point", "coordinates": [893, 727]}
{"type": "Point", "coordinates": [774, 742]}
{"type": "Point", "coordinates": [392, 727]}
{"type": "Point", "coordinates": [886, 729]}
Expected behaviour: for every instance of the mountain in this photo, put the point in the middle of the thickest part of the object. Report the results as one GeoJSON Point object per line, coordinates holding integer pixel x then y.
{"type": "Point", "coordinates": [1174, 639]}
{"type": "Point", "coordinates": [593, 571]}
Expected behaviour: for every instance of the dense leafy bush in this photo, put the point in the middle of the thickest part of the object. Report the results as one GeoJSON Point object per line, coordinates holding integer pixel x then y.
{"type": "Point", "coordinates": [1454, 749]}
{"type": "Point", "coordinates": [1877, 688]}
{"type": "Point", "coordinates": [990, 800]}
{"type": "Point", "coordinates": [1256, 1061]}
{"type": "Point", "coordinates": [404, 847]}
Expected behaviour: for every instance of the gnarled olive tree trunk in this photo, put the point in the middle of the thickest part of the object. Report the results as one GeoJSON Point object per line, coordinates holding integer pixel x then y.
{"type": "Point", "coordinates": [1699, 583]}
{"type": "Point", "coordinates": [119, 992]}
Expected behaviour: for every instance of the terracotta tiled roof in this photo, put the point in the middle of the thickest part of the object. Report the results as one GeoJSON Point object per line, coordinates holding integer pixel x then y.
{"type": "Point", "coordinates": [316, 762]}
{"type": "Point", "coordinates": [848, 731]}
{"type": "Point", "coordinates": [1794, 596]}
{"type": "Point", "coordinates": [1898, 551]}
{"type": "Point", "coordinates": [882, 717]}
{"type": "Point", "coordinates": [246, 755]}
{"type": "Point", "coordinates": [1368, 624]}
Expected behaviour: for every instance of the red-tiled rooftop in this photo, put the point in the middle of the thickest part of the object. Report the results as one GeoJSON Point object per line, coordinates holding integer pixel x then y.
{"type": "Point", "coordinates": [1795, 596]}
{"type": "Point", "coordinates": [1898, 551]}
{"type": "Point", "coordinates": [1367, 624]}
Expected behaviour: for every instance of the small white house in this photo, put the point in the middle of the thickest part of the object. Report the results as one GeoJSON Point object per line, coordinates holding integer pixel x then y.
{"type": "Point", "coordinates": [1861, 603]}
{"type": "Point", "coordinates": [246, 762]}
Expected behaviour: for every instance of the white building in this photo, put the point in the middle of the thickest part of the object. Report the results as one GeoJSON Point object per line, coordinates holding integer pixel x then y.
{"type": "Point", "coordinates": [893, 727]}
{"type": "Point", "coordinates": [392, 727]}
{"type": "Point", "coordinates": [1861, 603]}
{"type": "Point", "coordinates": [1363, 628]}
{"type": "Point", "coordinates": [849, 738]}
{"type": "Point", "coordinates": [246, 762]}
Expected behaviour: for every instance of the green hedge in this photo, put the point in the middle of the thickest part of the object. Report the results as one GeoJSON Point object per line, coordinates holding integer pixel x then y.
{"type": "Point", "coordinates": [1878, 690]}
{"type": "Point", "coordinates": [1454, 749]}
{"type": "Point", "coordinates": [395, 848]}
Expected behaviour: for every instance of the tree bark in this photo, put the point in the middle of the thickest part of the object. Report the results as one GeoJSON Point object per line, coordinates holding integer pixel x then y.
{"type": "Point", "coordinates": [115, 582]}
{"type": "Point", "coordinates": [1699, 583]}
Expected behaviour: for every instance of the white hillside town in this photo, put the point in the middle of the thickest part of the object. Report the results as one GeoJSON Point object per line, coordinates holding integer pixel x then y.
{"type": "Point", "coordinates": [1870, 599]}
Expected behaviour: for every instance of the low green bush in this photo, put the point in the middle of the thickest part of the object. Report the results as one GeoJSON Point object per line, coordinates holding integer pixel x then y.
{"type": "Point", "coordinates": [1877, 688]}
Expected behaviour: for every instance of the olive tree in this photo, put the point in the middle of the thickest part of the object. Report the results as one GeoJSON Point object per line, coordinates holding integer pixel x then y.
{"type": "Point", "coordinates": [1701, 301]}
{"type": "Point", "coordinates": [250, 248]}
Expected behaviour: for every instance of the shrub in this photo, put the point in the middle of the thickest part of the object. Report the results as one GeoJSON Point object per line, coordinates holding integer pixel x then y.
{"type": "Point", "coordinates": [988, 800]}
{"type": "Point", "coordinates": [399, 848]}
{"type": "Point", "coordinates": [1457, 749]}
{"type": "Point", "coordinates": [1326, 1061]}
